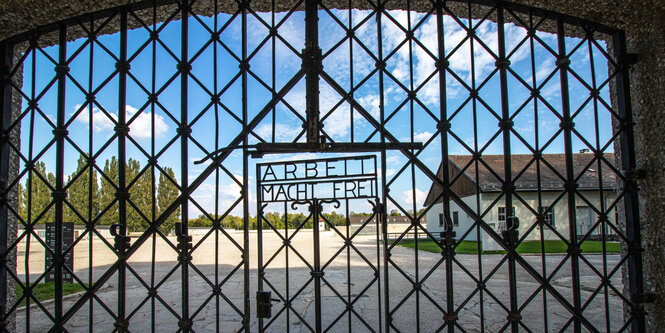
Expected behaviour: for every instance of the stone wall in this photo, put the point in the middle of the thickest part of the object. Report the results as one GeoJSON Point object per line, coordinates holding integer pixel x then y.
{"type": "Point", "coordinates": [642, 22]}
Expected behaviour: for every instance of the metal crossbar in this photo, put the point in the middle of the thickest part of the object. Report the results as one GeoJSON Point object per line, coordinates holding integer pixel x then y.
{"type": "Point", "coordinates": [485, 103]}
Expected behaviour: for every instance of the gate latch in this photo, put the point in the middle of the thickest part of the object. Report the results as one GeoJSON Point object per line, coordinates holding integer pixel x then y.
{"type": "Point", "coordinates": [264, 304]}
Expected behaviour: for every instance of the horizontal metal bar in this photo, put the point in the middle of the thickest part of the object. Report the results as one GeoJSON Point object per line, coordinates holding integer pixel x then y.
{"type": "Point", "coordinates": [330, 147]}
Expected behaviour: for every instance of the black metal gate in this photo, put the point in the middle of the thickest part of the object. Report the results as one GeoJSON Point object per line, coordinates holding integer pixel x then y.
{"type": "Point", "coordinates": [417, 83]}
{"type": "Point", "coordinates": [315, 184]}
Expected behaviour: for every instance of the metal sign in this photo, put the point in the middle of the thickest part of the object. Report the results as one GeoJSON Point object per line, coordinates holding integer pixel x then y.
{"type": "Point", "coordinates": [67, 240]}
{"type": "Point", "coordinates": [330, 178]}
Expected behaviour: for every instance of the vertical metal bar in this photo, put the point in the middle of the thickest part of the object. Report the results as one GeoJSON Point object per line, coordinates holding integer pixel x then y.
{"type": "Point", "coordinates": [567, 125]}
{"type": "Point", "coordinates": [121, 129]}
{"type": "Point", "coordinates": [377, 216]}
{"type": "Point", "coordinates": [245, 166]}
{"type": "Point", "coordinates": [601, 186]}
{"type": "Point", "coordinates": [352, 91]}
{"type": "Point", "coordinates": [381, 209]}
{"type": "Point", "coordinates": [183, 237]}
{"type": "Point", "coordinates": [91, 183]}
{"type": "Point", "coordinates": [348, 260]}
{"type": "Point", "coordinates": [443, 127]}
{"type": "Point", "coordinates": [539, 192]}
{"type": "Point", "coordinates": [474, 109]}
{"type": "Point", "coordinates": [631, 200]}
{"type": "Point", "coordinates": [259, 238]}
{"type": "Point", "coordinates": [58, 195]}
{"type": "Point", "coordinates": [29, 186]}
{"type": "Point", "coordinates": [218, 220]}
{"type": "Point", "coordinates": [6, 56]}
{"type": "Point", "coordinates": [311, 63]}
{"type": "Point", "coordinates": [505, 124]}
{"type": "Point", "coordinates": [317, 273]}
{"type": "Point", "coordinates": [287, 292]}
{"type": "Point", "coordinates": [153, 264]}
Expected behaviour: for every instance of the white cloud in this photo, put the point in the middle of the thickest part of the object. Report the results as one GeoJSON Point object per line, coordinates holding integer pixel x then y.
{"type": "Point", "coordinates": [422, 137]}
{"type": "Point", "coordinates": [407, 198]}
{"type": "Point", "coordinates": [283, 132]}
{"type": "Point", "coordinates": [140, 128]}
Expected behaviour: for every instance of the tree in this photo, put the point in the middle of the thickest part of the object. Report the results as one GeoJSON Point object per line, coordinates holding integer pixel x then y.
{"type": "Point", "coordinates": [140, 196]}
{"type": "Point", "coordinates": [83, 194]}
{"type": "Point", "coordinates": [107, 192]}
{"type": "Point", "coordinates": [335, 218]}
{"type": "Point", "coordinates": [37, 195]}
{"type": "Point", "coordinates": [167, 192]}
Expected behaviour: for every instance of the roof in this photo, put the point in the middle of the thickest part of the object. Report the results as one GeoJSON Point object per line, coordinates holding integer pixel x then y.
{"type": "Point", "coordinates": [552, 169]}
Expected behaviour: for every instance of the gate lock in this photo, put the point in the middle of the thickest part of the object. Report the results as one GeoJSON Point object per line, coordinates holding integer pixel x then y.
{"type": "Point", "coordinates": [264, 304]}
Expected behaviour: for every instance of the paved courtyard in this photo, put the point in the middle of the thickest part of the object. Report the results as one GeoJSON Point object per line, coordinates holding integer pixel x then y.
{"type": "Point", "coordinates": [355, 283]}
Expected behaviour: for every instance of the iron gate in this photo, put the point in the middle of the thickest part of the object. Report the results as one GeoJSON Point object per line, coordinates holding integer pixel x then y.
{"type": "Point", "coordinates": [415, 86]}
{"type": "Point", "coordinates": [315, 184]}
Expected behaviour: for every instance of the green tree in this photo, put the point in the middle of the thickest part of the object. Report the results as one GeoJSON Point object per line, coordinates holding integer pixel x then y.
{"type": "Point", "coordinates": [167, 192]}
{"type": "Point", "coordinates": [134, 220]}
{"type": "Point", "coordinates": [37, 195]}
{"type": "Point", "coordinates": [83, 194]}
{"type": "Point", "coordinates": [107, 192]}
{"type": "Point", "coordinates": [141, 195]}
{"type": "Point", "coordinates": [335, 218]}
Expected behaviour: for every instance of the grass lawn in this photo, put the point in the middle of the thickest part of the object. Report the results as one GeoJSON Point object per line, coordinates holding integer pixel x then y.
{"type": "Point", "coordinates": [552, 246]}
{"type": "Point", "coordinates": [46, 291]}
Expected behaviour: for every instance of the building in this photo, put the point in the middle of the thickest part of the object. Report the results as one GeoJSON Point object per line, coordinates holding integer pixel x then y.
{"type": "Point", "coordinates": [391, 219]}
{"type": "Point", "coordinates": [478, 185]}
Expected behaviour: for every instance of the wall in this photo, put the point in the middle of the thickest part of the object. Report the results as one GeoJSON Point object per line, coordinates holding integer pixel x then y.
{"type": "Point", "coordinates": [527, 219]}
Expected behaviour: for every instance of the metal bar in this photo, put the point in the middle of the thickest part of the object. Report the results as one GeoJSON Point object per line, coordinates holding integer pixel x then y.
{"type": "Point", "coordinates": [381, 208]}
{"type": "Point", "coordinates": [332, 147]}
{"type": "Point", "coordinates": [123, 193]}
{"type": "Point", "coordinates": [567, 125]}
{"type": "Point", "coordinates": [245, 171]}
{"type": "Point", "coordinates": [631, 200]}
{"type": "Point", "coordinates": [259, 242]}
{"type": "Point", "coordinates": [59, 193]}
{"type": "Point", "coordinates": [443, 127]}
{"type": "Point", "coordinates": [215, 51]}
{"type": "Point", "coordinates": [183, 236]}
{"type": "Point", "coordinates": [315, 207]}
{"type": "Point", "coordinates": [502, 63]}
{"type": "Point", "coordinates": [153, 264]}
{"type": "Point", "coordinates": [91, 182]}
{"type": "Point", "coordinates": [311, 64]}
{"type": "Point", "coordinates": [539, 193]}
{"type": "Point", "coordinates": [6, 57]}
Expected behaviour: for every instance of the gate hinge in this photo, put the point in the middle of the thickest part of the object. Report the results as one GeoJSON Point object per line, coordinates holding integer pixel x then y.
{"type": "Point", "coordinates": [627, 60]}
{"type": "Point", "coordinates": [645, 298]}
{"type": "Point", "coordinates": [634, 174]}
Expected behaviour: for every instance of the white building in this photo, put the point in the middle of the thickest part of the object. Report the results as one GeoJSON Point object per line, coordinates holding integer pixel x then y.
{"type": "Point", "coordinates": [479, 186]}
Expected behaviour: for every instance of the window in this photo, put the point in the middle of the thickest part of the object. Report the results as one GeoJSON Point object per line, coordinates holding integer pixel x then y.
{"type": "Point", "coordinates": [502, 213]}
{"type": "Point", "coordinates": [456, 219]}
{"type": "Point", "coordinates": [548, 216]}
{"type": "Point", "coordinates": [440, 220]}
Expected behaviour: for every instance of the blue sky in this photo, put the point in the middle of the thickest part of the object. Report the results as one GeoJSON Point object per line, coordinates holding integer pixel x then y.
{"type": "Point", "coordinates": [473, 68]}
